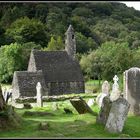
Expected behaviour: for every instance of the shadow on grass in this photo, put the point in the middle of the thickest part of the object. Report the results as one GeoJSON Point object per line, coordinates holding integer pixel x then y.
{"type": "Point", "coordinates": [60, 126]}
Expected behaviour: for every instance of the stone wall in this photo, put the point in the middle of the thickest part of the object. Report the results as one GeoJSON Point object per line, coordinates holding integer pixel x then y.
{"type": "Point", "coordinates": [24, 83]}
{"type": "Point", "coordinates": [58, 88]}
{"type": "Point", "coordinates": [32, 64]}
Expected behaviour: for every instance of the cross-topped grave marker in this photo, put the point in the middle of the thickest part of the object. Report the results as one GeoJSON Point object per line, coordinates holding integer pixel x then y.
{"type": "Point", "coordinates": [115, 85]}
{"type": "Point", "coordinates": [115, 94]}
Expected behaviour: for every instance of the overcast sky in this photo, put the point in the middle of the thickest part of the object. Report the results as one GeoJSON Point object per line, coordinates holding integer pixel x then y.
{"type": "Point", "coordinates": [135, 4]}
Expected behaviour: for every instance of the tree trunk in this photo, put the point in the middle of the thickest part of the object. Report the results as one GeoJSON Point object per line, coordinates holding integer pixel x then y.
{"type": "Point", "coordinates": [2, 101]}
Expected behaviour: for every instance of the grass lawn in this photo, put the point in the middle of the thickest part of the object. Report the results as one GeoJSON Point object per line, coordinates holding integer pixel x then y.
{"type": "Point", "coordinates": [64, 125]}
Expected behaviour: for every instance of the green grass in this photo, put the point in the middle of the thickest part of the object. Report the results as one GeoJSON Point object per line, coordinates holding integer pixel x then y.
{"type": "Point", "coordinates": [92, 86]}
{"type": "Point", "coordinates": [67, 125]}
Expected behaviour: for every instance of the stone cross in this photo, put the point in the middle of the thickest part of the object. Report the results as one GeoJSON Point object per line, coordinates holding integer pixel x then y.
{"type": "Point", "coordinates": [115, 85]}
{"type": "Point", "coordinates": [115, 79]}
{"type": "Point", "coordinates": [39, 94]}
{"type": "Point", "coordinates": [115, 94]}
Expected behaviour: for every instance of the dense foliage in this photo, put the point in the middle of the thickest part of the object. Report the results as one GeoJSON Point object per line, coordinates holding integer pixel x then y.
{"type": "Point", "coordinates": [107, 35]}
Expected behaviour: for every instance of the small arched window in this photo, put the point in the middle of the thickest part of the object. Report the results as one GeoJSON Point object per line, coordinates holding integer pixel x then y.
{"type": "Point", "coordinates": [72, 36]}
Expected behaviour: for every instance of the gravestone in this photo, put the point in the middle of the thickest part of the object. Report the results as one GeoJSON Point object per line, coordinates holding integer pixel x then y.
{"type": "Point", "coordinates": [117, 115]}
{"type": "Point", "coordinates": [90, 102]}
{"type": "Point", "coordinates": [81, 106]}
{"type": "Point", "coordinates": [105, 92]}
{"type": "Point", "coordinates": [39, 94]}
{"type": "Point", "coordinates": [55, 106]}
{"type": "Point", "coordinates": [132, 89]}
{"type": "Point", "coordinates": [114, 110]}
{"type": "Point", "coordinates": [104, 111]}
{"type": "Point", "coordinates": [115, 94]}
{"type": "Point", "coordinates": [113, 114]}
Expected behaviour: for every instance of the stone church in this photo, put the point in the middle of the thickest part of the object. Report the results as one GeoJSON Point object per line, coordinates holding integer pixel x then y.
{"type": "Point", "coordinates": [57, 71]}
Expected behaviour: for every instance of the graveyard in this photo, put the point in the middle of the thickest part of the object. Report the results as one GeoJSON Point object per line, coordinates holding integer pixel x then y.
{"type": "Point", "coordinates": [61, 124]}
{"type": "Point", "coordinates": [73, 75]}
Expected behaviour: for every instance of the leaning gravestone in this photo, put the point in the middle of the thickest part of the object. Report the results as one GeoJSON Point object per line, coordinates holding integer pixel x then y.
{"type": "Point", "coordinates": [104, 111]}
{"type": "Point", "coordinates": [132, 89]}
{"type": "Point", "coordinates": [39, 94]}
{"type": "Point", "coordinates": [117, 116]}
{"type": "Point", "coordinates": [114, 110]}
{"type": "Point", "coordinates": [81, 106]}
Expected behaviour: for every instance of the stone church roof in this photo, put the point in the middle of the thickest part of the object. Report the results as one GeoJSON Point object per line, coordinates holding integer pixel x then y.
{"type": "Point", "coordinates": [57, 66]}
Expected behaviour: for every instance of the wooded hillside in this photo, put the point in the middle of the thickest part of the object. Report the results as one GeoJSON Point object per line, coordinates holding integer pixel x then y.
{"type": "Point", "coordinates": [107, 35]}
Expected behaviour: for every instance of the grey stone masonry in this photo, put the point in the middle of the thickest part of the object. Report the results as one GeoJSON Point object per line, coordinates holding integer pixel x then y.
{"type": "Point", "coordinates": [132, 89]}
{"type": "Point", "coordinates": [39, 95]}
{"type": "Point", "coordinates": [104, 111]}
{"type": "Point", "coordinates": [117, 115]}
{"type": "Point", "coordinates": [24, 84]}
{"type": "Point", "coordinates": [70, 43]}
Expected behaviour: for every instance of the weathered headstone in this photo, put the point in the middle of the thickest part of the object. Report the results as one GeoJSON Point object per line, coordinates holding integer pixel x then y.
{"type": "Point", "coordinates": [39, 95]}
{"type": "Point", "coordinates": [104, 111]}
{"type": "Point", "coordinates": [114, 110]}
{"type": "Point", "coordinates": [113, 114]}
{"type": "Point", "coordinates": [81, 106]}
{"type": "Point", "coordinates": [132, 89]}
{"type": "Point", "coordinates": [115, 94]}
{"type": "Point", "coordinates": [117, 115]}
{"type": "Point", "coordinates": [105, 92]}
{"type": "Point", "coordinates": [55, 106]}
{"type": "Point", "coordinates": [105, 87]}
{"type": "Point", "coordinates": [90, 102]}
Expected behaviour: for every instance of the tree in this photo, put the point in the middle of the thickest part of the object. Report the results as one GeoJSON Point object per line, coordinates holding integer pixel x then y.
{"type": "Point", "coordinates": [27, 30]}
{"type": "Point", "coordinates": [84, 44]}
{"type": "Point", "coordinates": [14, 57]}
{"type": "Point", "coordinates": [110, 59]}
{"type": "Point", "coordinates": [10, 61]}
{"type": "Point", "coordinates": [54, 45]}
